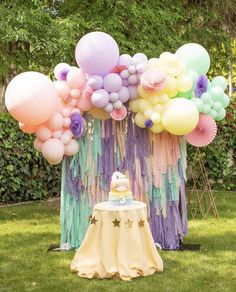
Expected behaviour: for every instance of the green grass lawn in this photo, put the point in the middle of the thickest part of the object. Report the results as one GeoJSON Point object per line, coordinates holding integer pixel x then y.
{"type": "Point", "coordinates": [26, 231]}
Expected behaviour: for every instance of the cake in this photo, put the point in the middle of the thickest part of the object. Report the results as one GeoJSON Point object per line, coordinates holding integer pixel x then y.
{"type": "Point", "coordinates": [120, 193]}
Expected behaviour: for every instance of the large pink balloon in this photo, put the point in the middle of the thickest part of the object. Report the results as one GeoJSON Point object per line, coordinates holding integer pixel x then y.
{"type": "Point", "coordinates": [97, 53]}
{"type": "Point", "coordinates": [53, 150]}
{"type": "Point", "coordinates": [31, 98]}
{"type": "Point", "coordinates": [29, 129]}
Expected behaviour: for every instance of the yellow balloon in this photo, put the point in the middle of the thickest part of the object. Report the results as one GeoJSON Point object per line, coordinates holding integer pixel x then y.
{"type": "Point", "coordinates": [163, 98]}
{"type": "Point", "coordinates": [144, 93]}
{"type": "Point", "coordinates": [172, 93]}
{"type": "Point", "coordinates": [148, 113]}
{"type": "Point", "coordinates": [171, 84]}
{"type": "Point", "coordinates": [180, 117]}
{"type": "Point", "coordinates": [134, 105]}
{"type": "Point", "coordinates": [139, 120]}
{"type": "Point", "coordinates": [156, 118]}
{"type": "Point", "coordinates": [184, 84]}
{"type": "Point", "coordinates": [158, 108]}
{"type": "Point", "coordinates": [157, 128]}
{"type": "Point", "coordinates": [144, 105]}
{"type": "Point", "coordinates": [154, 99]}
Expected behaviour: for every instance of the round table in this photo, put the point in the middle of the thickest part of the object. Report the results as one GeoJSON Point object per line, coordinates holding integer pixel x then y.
{"type": "Point", "coordinates": [118, 243]}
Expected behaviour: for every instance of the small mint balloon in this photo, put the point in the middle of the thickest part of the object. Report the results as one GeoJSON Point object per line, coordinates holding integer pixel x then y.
{"type": "Point", "coordinates": [220, 115]}
{"type": "Point", "coordinates": [206, 98]}
{"type": "Point", "coordinates": [213, 113]}
{"type": "Point", "coordinates": [220, 81]}
{"type": "Point", "coordinates": [217, 93]}
{"type": "Point", "coordinates": [217, 106]}
{"type": "Point", "coordinates": [206, 108]}
{"type": "Point", "coordinates": [225, 101]}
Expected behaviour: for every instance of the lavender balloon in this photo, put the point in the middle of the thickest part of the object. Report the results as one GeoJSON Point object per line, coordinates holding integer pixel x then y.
{"type": "Point", "coordinates": [124, 94]}
{"type": "Point", "coordinates": [112, 82]}
{"type": "Point", "coordinates": [95, 82]}
{"type": "Point", "coordinates": [97, 53]}
{"type": "Point", "coordinates": [77, 125]}
{"type": "Point", "coordinates": [100, 98]}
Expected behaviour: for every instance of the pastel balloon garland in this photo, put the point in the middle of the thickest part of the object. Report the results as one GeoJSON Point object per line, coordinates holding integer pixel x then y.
{"type": "Point", "coordinates": [170, 93]}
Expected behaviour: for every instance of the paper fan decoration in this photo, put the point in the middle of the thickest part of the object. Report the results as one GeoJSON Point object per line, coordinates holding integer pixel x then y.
{"type": "Point", "coordinates": [204, 133]}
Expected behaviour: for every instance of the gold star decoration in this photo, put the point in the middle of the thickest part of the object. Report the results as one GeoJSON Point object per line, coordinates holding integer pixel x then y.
{"type": "Point", "coordinates": [141, 223]}
{"type": "Point", "coordinates": [116, 223]}
{"type": "Point", "coordinates": [93, 220]}
{"type": "Point", "coordinates": [128, 223]}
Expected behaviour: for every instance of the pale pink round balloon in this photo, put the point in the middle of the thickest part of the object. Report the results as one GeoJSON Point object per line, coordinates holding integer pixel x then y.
{"type": "Point", "coordinates": [71, 148]}
{"type": "Point", "coordinates": [85, 103]}
{"type": "Point", "coordinates": [38, 144]}
{"type": "Point", "coordinates": [73, 102]}
{"type": "Point", "coordinates": [75, 78]}
{"type": "Point", "coordinates": [56, 122]}
{"type": "Point", "coordinates": [75, 93]}
{"type": "Point", "coordinates": [62, 88]}
{"type": "Point", "coordinates": [66, 138]}
{"type": "Point", "coordinates": [43, 133]}
{"type": "Point", "coordinates": [31, 98]}
{"type": "Point", "coordinates": [67, 122]}
{"type": "Point", "coordinates": [68, 132]}
{"type": "Point", "coordinates": [53, 150]}
{"type": "Point", "coordinates": [29, 129]}
{"type": "Point", "coordinates": [57, 134]}
{"type": "Point", "coordinates": [66, 112]}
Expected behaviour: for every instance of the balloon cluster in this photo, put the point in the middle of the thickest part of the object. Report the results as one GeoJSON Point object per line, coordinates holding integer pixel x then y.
{"type": "Point", "coordinates": [210, 97]}
{"type": "Point", "coordinates": [170, 93]}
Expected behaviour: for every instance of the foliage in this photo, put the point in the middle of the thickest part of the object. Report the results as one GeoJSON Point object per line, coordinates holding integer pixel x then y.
{"type": "Point", "coordinates": [24, 174]}
{"type": "Point", "coordinates": [28, 230]}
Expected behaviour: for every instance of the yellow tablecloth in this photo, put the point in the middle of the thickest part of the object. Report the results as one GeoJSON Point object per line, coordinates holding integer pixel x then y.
{"type": "Point", "coordinates": [118, 243]}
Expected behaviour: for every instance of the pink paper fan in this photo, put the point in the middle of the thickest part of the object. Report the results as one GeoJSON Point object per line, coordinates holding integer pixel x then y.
{"type": "Point", "coordinates": [204, 133]}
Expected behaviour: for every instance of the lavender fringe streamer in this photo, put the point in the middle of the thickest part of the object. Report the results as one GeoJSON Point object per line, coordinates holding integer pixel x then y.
{"type": "Point", "coordinates": [86, 179]}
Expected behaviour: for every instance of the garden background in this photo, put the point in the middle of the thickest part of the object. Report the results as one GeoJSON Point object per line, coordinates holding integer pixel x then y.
{"type": "Point", "coordinates": [36, 35]}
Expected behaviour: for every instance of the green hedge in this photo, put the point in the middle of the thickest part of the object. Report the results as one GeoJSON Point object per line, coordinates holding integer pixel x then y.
{"type": "Point", "coordinates": [24, 174]}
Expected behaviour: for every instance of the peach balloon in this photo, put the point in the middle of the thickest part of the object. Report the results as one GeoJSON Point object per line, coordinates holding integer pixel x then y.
{"type": "Point", "coordinates": [68, 132]}
{"type": "Point", "coordinates": [75, 78]}
{"type": "Point", "coordinates": [84, 103]}
{"type": "Point", "coordinates": [67, 122]}
{"type": "Point", "coordinates": [38, 144]}
{"type": "Point", "coordinates": [66, 112]}
{"type": "Point", "coordinates": [53, 150]}
{"type": "Point", "coordinates": [29, 129]}
{"type": "Point", "coordinates": [71, 148]}
{"type": "Point", "coordinates": [73, 102]}
{"type": "Point", "coordinates": [43, 133]}
{"type": "Point", "coordinates": [56, 122]}
{"type": "Point", "coordinates": [31, 98]}
{"type": "Point", "coordinates": [75, 93]}
{"type": "Point", "coordinates": [57, 134]}
{"type": "Point", "coordinates": [66, 138]}
{"type": "Point", "coordinates": [62, 88]}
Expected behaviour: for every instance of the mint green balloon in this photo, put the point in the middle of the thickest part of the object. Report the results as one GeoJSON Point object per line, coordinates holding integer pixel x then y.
{"type": "Point", "coordinates": [213, 113]}
{"type": "Point", "coordinates": [198, 103]}
{"type": "Point", "coordinates": [217, 93]}
{"type": "Point", "coordinates": [195, 57]}
{"type": "Point", "coordinates": [220, 81]}
{"type": "Point", "coordinates": [206, 98]}
{"type": "Point", "coordinates": [220, 115]}
{"type": "Point", "coordinates": [217, 106]}
{"type": "Point", "coordinates": [206, 108]}
{"type": "Point", "coordinates": [225, 100]}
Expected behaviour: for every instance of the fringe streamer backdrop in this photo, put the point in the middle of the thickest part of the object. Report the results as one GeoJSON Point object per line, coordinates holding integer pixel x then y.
{"type": "Point", "coordinates": [155, 164]}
